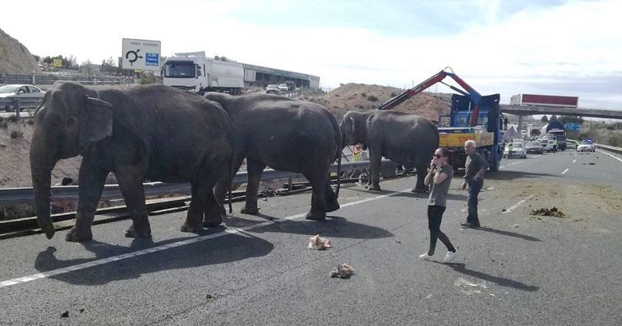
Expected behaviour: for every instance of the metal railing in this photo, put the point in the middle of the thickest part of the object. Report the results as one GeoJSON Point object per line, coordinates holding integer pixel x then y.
{"type": "Point", "coordinates": [50, 79]}
{"type": "Point", "coordinates": [26, 195]}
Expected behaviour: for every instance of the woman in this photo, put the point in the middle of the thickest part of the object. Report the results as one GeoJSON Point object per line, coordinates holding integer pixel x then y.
{"type": "Point", "coordinates": [439, 177]}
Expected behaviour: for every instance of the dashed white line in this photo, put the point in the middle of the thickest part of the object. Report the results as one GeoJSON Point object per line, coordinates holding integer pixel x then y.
{"type": "Point", "coordinates": [518, 204]}
{"type": "Point", "coordinates": [505, 166]}
{"type": "Point", "coordinates": [565, 171]}
{"type": "Point", "coordinates": [241, 231]}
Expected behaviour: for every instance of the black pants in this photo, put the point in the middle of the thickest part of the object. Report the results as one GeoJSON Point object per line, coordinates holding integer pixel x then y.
{"type": "Point", "coordinates": [435, 217]}
{"type": "Point", "coordinates": [474, 188]}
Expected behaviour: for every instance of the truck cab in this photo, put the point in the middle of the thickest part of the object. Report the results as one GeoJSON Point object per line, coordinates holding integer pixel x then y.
{"type": "Point", "coordinates": [194, 72]}
{"type": "Point", "coordinates": [455, 129]}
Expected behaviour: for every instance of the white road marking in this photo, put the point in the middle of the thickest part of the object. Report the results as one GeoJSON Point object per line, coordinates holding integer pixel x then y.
{"type": "Point", "coordinates": [518, 204]}
{"type": "Point", "coordinates": [617, 158]}
{"type": "Point", "coordinates": [241, 231]}
{"type": "Point", "coordinates": [505, 166]}
{"type": "Point", "coordinates": [565, 171]}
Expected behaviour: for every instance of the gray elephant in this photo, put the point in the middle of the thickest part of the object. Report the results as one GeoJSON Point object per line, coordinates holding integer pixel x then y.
{"type": "Point", "coordinates": [286, 135]}
{"type": "Point", "coordinates": [403, 138]}
{"type": "Point", "coordinates": [146, 132]}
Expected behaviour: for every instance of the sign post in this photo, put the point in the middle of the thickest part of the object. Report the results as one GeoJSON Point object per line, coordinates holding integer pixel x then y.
{"type": "Point", "coordinates": [140, 54]}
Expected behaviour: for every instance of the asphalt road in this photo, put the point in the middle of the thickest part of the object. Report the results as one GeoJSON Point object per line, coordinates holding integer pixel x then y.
{"type": "Point", "coordinates": [518, 269]}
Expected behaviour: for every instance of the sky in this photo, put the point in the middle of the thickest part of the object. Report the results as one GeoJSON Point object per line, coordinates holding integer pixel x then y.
{"type": "Point", "coordinates": [554, 47]}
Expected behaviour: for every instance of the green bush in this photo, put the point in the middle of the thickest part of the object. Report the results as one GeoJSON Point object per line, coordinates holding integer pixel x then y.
{"type": "Point", "coordinates": [147, 78]}
{"type": "Point", "coordinates": [393, 94]}
{"type": "Point", "coordinates": [13, 118]}
{"type": "Point", "coordinates": [372, 98]}
{"type": "Point", "coordinates": [363, 94]}
{"type": "Point", "coordinates": [4, 124]}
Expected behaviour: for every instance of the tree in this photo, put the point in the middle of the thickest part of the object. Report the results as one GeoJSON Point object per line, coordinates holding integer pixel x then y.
{"type": "Point", "coordinates": [570, 119]}
{"type": "Point", "coordinates": [553, 117]}
{"type": "Point", "coordinates": [544, 119]}
{"type": "Point", "coordinates": [37, 58]}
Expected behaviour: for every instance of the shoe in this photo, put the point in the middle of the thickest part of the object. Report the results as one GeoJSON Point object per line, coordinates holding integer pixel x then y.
{"type": "Point", "coordinates": [425, 256]}
{"type": "Point", "coordinates": [450, 256]}
{"type": "Point", "coordinates": [469, 224]}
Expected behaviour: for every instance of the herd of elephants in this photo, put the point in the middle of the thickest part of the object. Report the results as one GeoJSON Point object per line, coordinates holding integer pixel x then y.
{"type": "Point", "coordinates": [160, 133]}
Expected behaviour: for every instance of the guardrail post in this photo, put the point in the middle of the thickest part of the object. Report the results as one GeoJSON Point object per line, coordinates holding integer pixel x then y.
{"type": "Point", "coordinates": [16, 107]}
{"type": "Point", "coordinates": [290, 183]}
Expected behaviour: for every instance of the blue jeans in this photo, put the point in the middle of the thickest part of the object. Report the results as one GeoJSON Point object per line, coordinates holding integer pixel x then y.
{"type": "Point", "coordinates": [474, 188]}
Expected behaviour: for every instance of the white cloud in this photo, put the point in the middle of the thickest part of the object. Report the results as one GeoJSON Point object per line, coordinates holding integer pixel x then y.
{"type": "Point", "coordinates": [503, 53]}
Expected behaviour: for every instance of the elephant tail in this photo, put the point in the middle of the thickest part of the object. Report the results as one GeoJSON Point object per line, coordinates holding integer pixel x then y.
{"type": "Point", "coordinates": [230, 183]}
{"type": "Point", "coordinates": [339, 155]}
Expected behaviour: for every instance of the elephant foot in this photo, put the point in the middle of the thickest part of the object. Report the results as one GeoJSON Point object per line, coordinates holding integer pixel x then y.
{"type": "Point", "coordinates": [186, 227]}
{"type": "Point", "coordinates": [374, 188]}
{"type": "Point", "coordinates": [419, 190]}
{"type": "Point", "coordinates": [332, 205]}
{"type": "Point", "coordinates": [250, 211]}
{"type": "Point", "coordinates": [75, 235]}
{"type": "Point", "coordinates": [316, 216]}
{"type": "Point", "coordinates": [211, 224]}
{"type": "Point", "coordinates": [138, 232]}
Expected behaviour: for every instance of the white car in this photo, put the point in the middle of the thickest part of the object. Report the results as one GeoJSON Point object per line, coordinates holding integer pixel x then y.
{"type": "Point", "coordinates": [272, 89]}
{"type": "Point", "coordinates": [21, 91]}
{"type": "Point", "coordinates": [586, 146]}
{"type": "Point", "coordinates": [283, 88]}
{"type": "Point", "coordinates": [534, 147]}
{"type": "Point", "coordinates": [547, 145]}
{"type": "Point", "coordinates": [518, 151]}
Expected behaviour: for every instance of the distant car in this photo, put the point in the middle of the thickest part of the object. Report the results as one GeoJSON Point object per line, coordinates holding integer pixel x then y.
{"type": "Point", "coordinates": [21, 91]}
{"type": "Point", "coordinates": [586, 146]}
{"type": "Point", "coordinates": [283, 88]}
{"type": "Point", "coordinates": [272, 89]}
{"type": "Point", "coordinates": [547, 145]}
{"type": "Point", "coordinates": [518, 151]}
{"type": "Point", "coordinates": [534, 147]}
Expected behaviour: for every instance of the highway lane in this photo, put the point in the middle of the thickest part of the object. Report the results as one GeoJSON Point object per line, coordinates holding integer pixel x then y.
{"type": "Point", "coordinates": [517, 270]}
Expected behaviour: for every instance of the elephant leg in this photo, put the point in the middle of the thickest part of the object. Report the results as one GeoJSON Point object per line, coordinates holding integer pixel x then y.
{"type": "Point", "coordinates": [194, 217]}
{"type": "Point", "coordinates": [318, 198]}
{"type": "Point", "coordinates": [213, 211]}
{"type": "Point", "coordinates": [131, 183]}
{"type": "Point", "coordinates": [91, 186]}
{"type": "Point", "coordinates": [420, 186]}
{"type": "Point", "coordinates": [331, 198]}
{"type": "Point", "coordinates": [222, 187]}
{"type": "Point", "coordinates": [254, 170]}
{"type": "Point", "coordinates": [375, 159]}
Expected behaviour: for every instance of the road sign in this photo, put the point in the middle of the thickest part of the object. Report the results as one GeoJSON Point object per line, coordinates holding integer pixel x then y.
{"type": "Point", "coordinates": [58, 63]}
{"type": "Point", "coordinates": [573, 126]}
{"type": "Point", "coordinates": [140, 54]}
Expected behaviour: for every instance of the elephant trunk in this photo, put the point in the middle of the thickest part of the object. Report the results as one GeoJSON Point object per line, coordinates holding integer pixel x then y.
{"type": "Point", "coordinates": [42, 161]}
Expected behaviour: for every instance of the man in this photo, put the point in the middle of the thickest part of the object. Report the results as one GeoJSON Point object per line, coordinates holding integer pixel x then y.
{"type": "Point", "coordinates": [475, 167]}
{"type": "Point", "coordinates": [554, 145]}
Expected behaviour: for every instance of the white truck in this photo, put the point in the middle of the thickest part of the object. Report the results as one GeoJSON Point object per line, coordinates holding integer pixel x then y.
{"type": "Point", "coordinates": [193, 71]}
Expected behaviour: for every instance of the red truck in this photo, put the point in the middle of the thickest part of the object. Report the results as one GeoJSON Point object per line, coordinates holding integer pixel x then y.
{"type": "Point", "coordinates": [545, 100]}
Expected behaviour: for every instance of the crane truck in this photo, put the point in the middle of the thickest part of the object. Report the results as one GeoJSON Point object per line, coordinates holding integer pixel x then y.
{"type": "Point", "coordinates": [472, 117]}
{"type": "Point", "coordinates": [194, 72]}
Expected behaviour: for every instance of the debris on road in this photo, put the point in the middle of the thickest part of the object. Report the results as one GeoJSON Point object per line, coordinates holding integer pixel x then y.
{"type": "Point", "coordinates": [65, 314]}
{"type": "Point", "coordinates": [548, 212]}
{"type": "Point", "coordinates": [343, 271]}
{"type": "Point", "coordinates": [468, 287]}
{"type": "Point", "coordinates": [318, 243]}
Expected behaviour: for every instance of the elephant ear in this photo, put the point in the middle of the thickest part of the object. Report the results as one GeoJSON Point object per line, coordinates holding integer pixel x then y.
{"type": "Point", "coordinates": [96, 122]}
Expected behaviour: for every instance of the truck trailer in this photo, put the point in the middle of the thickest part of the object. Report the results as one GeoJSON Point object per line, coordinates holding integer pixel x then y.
{"type": "Point", "coordinates": [545, 100]}
{"type": "Point", "coordinates": [193, 71]}
{"type": "Point", "coordinates": [557, 130]}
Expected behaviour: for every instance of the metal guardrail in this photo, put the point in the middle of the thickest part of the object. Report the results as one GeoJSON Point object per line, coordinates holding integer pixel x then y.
{"type": "Point", "coordinates": [26, 195]}
{"type": "Point", "coordinates": [50, 79]}
{"type": "Point", "coordinates": [21, 103]}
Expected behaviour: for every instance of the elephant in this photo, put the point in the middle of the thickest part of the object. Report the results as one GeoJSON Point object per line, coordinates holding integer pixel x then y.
{"type": "Point", "coordinates": [403, 138]}
{"type": "Point", "coordinates": [150, 132]}
{"type": "Point", "coordinates": [287, 135]}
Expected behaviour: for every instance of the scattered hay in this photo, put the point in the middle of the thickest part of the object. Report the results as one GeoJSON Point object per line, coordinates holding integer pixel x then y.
{"type": "Point", "coordinates": [343, 271]}
{"type": "Point", "coordinates": [549, 212]}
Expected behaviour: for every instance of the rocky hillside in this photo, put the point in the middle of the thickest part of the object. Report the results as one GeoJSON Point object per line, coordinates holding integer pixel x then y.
{"type": "Point", "coordinates": [368, 97]}
{"type": "Point", "coordinates": [15, 59]}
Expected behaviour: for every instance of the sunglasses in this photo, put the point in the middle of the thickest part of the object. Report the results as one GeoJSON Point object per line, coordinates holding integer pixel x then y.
{"type": "Point", "coordinates": [438, 156]}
